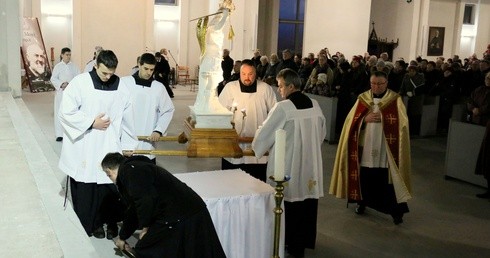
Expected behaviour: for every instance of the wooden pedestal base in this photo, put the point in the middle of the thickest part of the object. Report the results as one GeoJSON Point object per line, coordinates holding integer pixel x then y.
{"type": "Point", "coordinates": [207, 143]}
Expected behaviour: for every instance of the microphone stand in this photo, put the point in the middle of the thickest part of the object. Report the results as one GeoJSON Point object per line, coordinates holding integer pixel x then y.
{"type": "Point", "coordinates": [176, 68]}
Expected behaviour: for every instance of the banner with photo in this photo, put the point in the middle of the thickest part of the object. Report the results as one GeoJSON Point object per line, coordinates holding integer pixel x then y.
{"type": "Point", "coordinates": [34, 57]}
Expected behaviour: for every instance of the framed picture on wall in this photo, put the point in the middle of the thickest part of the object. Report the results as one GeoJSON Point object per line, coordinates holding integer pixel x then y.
{"type": "Point", "coordinates": [166, 2]}
{"type": "Point", "coordinates": [435, 45]}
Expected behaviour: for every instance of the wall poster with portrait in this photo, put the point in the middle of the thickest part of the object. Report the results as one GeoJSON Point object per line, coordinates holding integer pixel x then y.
{"type": "Point", "coordinates": [34, 57]}
{"type": "Point", "coordinates": [435, 44]}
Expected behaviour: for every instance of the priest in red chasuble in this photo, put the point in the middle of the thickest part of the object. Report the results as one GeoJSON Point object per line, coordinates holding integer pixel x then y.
{"type": "Point", "coordinates": [372, 164]}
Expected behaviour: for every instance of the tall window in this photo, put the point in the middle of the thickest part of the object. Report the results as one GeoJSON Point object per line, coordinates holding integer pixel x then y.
{"type": "Point", "coordinates": [469, 14]}
{"type": "Point", "coordinates": [291, 23]}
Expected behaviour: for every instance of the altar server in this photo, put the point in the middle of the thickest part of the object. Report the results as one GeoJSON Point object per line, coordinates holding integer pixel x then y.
{"type": "Point", "coordinates": [250, 101]}
{"type": "Point", "coordinates": [173, 219]}
{"type": "Point", "coordinates": [304, 123]}
{"type": "Point", "coordinates": [152, 107]}
{"type": "Point", "coordinates": [96, 116]}
{"type": "Point", "coordinates": [63, 73]}
{"type": "Point", "coordinates": [372, 164]}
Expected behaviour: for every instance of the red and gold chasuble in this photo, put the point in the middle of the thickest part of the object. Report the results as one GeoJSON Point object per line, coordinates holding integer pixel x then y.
{"type": "Point", "coordinates": [390, 121]}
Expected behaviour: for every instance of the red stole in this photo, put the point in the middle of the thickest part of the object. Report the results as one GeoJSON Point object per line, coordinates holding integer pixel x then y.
{"type": "Point", "coordinates": [390, 121]}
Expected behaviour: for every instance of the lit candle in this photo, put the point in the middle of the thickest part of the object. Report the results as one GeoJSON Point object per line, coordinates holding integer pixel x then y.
{"type": "Point", "coordinates": [279, 155]}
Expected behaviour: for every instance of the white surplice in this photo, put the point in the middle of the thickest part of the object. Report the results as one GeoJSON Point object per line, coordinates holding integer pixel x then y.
{"type": "Point", "coordinates": [255, 105]}
{"type": "Point", "coordinates": [152, 110]}
{"type": "Point", "coordinates": [83, 148]}
{"type": "Point", "coordinates": [62, 72]}
{"type": "Point", "coordinates": [305, 132]}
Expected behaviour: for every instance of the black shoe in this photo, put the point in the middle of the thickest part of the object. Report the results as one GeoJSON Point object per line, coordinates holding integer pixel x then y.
{"type": "Point", "coordinates": [397, 220]}
{"type": "Point", "coordinates": [99, 233]}
{"type": "Point", "coordinates": [484, 195]}
{"type": "Point", "coordinates": [296, 252]}
{"type": "Point", "coordinates": [360, 209]}
{"type": "Point", "coordinates": [59, 139]}
{"type": "Point", "coordinates": [111, 231]}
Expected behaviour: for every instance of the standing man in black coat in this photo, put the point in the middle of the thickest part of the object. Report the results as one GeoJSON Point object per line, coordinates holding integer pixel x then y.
{"type": "Point", "coordinates": [162, 70]}
{"type": "Point", "coordinates": [227, 65]}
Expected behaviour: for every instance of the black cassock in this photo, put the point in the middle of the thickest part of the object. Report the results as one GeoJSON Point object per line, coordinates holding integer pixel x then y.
{"type": "Point", "coordinates": [179, 224]}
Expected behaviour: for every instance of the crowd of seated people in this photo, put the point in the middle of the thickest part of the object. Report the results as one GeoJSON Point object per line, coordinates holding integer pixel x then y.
{"type": "Point", "coordinates": [452, 79]}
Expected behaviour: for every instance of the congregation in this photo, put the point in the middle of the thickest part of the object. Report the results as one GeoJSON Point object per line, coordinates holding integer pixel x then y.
{"type": "Point", "coordinates": [334, 75]}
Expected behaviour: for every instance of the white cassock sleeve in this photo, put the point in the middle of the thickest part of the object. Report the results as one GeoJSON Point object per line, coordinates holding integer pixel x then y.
{"type": "Point", "coordinates": [265, 136]}
{"type": "Point", "coordinates": [55, 76]}
{"type": "Point", "coordinates": [165, 113]}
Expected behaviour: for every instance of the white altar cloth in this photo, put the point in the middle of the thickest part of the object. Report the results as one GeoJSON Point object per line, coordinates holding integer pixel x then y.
{"type": "Point", "coordinates": [241, 207]}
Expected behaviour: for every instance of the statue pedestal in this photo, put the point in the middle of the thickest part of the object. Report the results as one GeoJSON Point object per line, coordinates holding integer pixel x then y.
{"type": "Point", "coordinates": [211, 120]}
{"type": "Point", "coordinates": [211, 142]}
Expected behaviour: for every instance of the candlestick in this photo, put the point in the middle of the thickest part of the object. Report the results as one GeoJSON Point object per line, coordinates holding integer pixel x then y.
{"type": "Point", "coordinates": [279, 154]}
{"type": "Point", "coordinates": [278, 197]}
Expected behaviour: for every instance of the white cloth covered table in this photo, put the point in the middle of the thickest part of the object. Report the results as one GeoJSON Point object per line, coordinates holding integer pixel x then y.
{"type": "Point", "coordinates": [241, 207]}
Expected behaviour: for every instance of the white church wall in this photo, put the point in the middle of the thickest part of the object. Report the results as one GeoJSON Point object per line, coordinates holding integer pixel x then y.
{"type": "Point", "coordinates": [483, 30]}
{"type": "Point", "coordinates": [394, 21]}
{"type": "Point", "coordinates": [10, 39]}
{"type": "Point", "coordinates": [166, 30]}
{"type": "Point", "coordinates": [331, 24]}
{"type": "Point", "coordinates": [444, 13]}
{"type": "Point", "coordinates": [118, 25]}
{"type": "Point", "coordinates": [55, 23]}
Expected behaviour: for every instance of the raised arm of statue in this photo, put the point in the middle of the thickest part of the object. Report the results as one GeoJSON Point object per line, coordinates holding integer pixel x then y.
{"type": "Point", "coordinates": [201, 29]}
{"type": "Point", "coordinates": [221, 23]}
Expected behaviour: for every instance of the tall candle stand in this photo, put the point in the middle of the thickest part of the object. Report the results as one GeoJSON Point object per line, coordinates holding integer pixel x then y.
{"type": "Point", "coordinates": [278, 196]}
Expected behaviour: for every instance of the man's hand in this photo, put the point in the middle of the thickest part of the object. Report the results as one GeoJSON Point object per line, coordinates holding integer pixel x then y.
{"type": "Point", "coordinates": [127, 153]}
{"type": "Point", "coordinates": [476, 111]}
{"type": "Point", "coordinates": [373, 118]}
{"type": "Point", "coordinates": [101, 123]}
{"type": "Point", "coordinates": [143, 232]}
{"type": "Point", "coordinates": [154, 137]}
{"type": "Point", "coordinates": [120, 243]}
